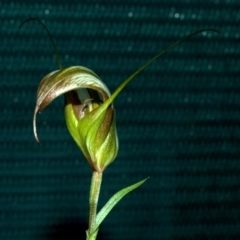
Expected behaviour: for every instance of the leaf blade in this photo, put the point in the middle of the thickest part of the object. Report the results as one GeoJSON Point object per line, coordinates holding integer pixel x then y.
{"type": "Point", "coordinates": [114, 200]}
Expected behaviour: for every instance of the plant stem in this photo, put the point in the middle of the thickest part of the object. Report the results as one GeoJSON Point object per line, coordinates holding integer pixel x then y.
{"type": "Point", "coordinates": [93, 201]}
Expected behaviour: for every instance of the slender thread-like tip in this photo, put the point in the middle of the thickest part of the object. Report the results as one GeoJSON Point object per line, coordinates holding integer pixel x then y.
{"type": "Point", "coordinates": [50, 37]}
{"type": "Point", "coordinates": [34, 125]}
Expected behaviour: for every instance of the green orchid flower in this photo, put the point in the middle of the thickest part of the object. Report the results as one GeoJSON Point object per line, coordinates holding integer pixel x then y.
{"type": "Point", "coordinates": [92, 127]}
{"type": "Point", "coordinates": [89, 112]}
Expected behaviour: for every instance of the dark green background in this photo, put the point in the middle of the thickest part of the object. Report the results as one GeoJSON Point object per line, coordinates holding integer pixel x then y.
{"type": "Point", "coordinates": [178, 122]}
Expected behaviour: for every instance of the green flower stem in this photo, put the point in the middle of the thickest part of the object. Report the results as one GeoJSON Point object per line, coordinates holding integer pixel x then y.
{"type": "Point", "coordinates": [93, 201]}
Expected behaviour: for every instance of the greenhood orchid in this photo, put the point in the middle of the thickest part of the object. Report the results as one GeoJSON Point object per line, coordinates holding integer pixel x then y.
{"type": "Point", "coordinates": [92, 127]}
{"type": "Point", "coordinates": [89, 112]}
{"type": "Point", "coordinates": [90, 118]}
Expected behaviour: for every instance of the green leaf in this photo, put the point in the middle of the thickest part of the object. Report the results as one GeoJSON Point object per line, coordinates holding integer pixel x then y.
{"type": "Point", "coordinates": [114, 200]}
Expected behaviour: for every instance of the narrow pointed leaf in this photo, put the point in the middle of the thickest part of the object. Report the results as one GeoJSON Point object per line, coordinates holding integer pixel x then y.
{"type": "Point", "coordinates": [114, 200]}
